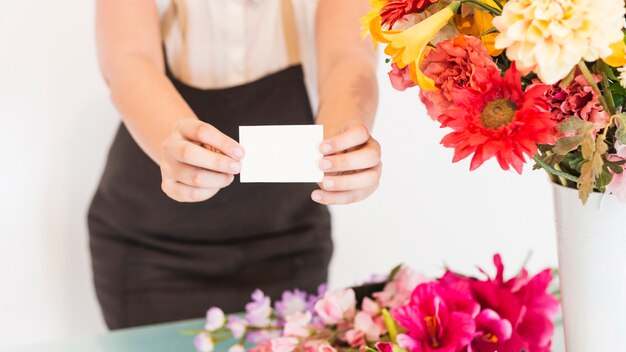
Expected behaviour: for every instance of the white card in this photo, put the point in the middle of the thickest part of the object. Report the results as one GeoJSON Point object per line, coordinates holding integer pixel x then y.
{"type": "Point", "coordinates": [281, 154]}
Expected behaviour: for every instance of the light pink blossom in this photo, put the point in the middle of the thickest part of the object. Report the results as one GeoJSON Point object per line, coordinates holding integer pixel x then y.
{"type": "Point", "coordinates": [297, 324]}
{"type": "Point", "coordinates": [365, 329]}
{"type": "Point", "coordinates": [617, 186]}
{"type": "Point", "coordinates": [398, 291]}
{"type": "Point", "coordinates": [237, 326]}
{"type": "Point", "coordinates": [336, 306]}
{"type": "Point", "coordinates": [204, 342]}
{"type": "Point", "coordinates": [214, 319]}
{"type": "Point", "coordinates": [258, 311]}
{"type": "Point", "coordinates": [283, 344]}
{"type": "Point", "coordinates": [317, 345]}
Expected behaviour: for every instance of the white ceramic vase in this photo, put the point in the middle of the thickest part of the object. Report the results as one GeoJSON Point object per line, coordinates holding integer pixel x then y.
{"type": "Point", "coordinates": [592, 270]}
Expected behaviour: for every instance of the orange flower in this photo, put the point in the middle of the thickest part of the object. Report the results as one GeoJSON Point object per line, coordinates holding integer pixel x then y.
{"type": "Point", "coordinates": [478, 22]}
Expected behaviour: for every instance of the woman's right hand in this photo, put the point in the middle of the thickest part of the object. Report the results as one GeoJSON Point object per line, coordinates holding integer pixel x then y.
{"type": "Point", "coordinates": [197, 160]}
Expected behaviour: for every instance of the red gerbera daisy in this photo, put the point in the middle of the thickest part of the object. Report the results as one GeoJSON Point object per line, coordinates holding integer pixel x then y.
{"type": "Point", "coordinates": [503, 121]}
{"type": "Point", "coordinates": [395, 10]}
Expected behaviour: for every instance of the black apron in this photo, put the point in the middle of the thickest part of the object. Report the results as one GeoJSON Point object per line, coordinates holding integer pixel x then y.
{"type": "Point", "coordinates": [157, 260]}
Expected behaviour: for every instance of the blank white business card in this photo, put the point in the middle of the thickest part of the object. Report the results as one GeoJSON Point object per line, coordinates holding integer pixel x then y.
{"type": "Point", "coordinates": [281, 154]}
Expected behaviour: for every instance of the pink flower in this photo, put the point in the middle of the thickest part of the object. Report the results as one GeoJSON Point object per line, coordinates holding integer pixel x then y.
{"type": "Point", "coordinates": [204, 342]}
{"type": "Point", "coordinates": [325, 347]}
{"type": "Point", "coordinates": [577, 99]}
{"type": "Point", "coordinates": [458, 63]}
{"type": "Point", "coordinates": [383, 346]}
{"type": "Point", "coordinates": [336, 306]}
{"type": "Point", "coordinates": [283, 344]}
{"type": "Point", "coordinates": [400, 78]}
{"type": "Point", "coordinates": [370, 307]}
{"type": "Point", "coordinates": [617, 186]}
{"type": "Point", "coordinates": [398, 291]}
{"type": "Point", "coordinates": [293, 301]}
{"type": "Point", "coordinates": [263, 346]}
{"type": "Point", "coordinates": [317, 345]}
{"type": "Point", "coordinates": [491, 328]}
{"type": "Point", "coordinates": [365, 329]}
{"type": "Point", "coordinates": [214, 319]}
{"type": "Point", "coordinates": [258, 311]}
{"type": "Point", "coordinates": [297, 324]}
{"type": "Point", "coordinates": [237, 326]}
{"type": "Point", "coordinates": [522, 301]}
{"type": "Point", "coordinates": [437, 318]}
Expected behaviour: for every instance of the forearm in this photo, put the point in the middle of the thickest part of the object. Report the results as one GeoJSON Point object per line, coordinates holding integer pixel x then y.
{"type": "Point", "coordinates": [349, 92]}
{"type": "Point", "coordinates": [149, 104]}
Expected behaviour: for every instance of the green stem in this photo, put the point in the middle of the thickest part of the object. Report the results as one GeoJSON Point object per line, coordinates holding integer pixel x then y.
{"type": "Point", "coordinates": [554, 171]}
{"type": "Point", "coordinates": [592, 82]}
{"type": "Point", "coordinates": [482, 6]}
{"type": "Point", "coordinates": [605, 88]}
{"type": "Point", "coordinates": [499, 4]}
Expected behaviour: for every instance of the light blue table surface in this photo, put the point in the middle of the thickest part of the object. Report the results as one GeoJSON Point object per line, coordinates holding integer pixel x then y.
{"type": "Point", "coordinates": [156, 338]}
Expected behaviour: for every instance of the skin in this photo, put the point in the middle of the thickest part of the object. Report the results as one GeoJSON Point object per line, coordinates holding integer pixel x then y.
{"type": "Point", "coordinates": [196, 159]}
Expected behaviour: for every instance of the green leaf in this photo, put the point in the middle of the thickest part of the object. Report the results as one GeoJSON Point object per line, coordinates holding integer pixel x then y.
{"type": "Point", "coordinates": [393, 272]}
{"type": "Point", "coordinates": [591, 170]}
{"type": "Point", "coordinates": [620, 134]}
{"type": "Point", "coordinates": [581, 133]}
{"type": "Point", "coordinates": [566, 144]}
{"type": "Point", "coordinates": [391, 325]}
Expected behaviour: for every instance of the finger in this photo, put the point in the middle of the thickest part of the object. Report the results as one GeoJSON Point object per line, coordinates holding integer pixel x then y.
{"type": "Point", "coordinates": [342, 197]}
{"type": "Point", "coordinates": [364, 179]}
{"type": "Point", "coordinates": [195, 176]}
{"type": "Point", "coordinates": [363, 158]}
{"type": "Point", "coordinates": [204, 133]}
{"type": "Point", "coordinates": [354, 134]}
{"type": "Point", "coordinates": [193, 154]}
{"type": "Point", "coordinates": [184, 193]}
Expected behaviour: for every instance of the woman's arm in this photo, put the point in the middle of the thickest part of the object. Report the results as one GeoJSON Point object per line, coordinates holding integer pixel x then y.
{"type": "Point", "coordinates": [131, 60]}
{"type": "Point", "coordinates": [348, 100]}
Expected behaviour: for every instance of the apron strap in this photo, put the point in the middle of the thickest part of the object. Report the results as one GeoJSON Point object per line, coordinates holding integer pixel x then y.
{"type": "Point", "coordinates": [178, 11]}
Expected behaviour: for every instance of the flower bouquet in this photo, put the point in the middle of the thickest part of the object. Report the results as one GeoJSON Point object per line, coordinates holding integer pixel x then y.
{"type": "Point", "coordinates": [542, 80]}
{"type": "Point", "coordinates": [408, 313]}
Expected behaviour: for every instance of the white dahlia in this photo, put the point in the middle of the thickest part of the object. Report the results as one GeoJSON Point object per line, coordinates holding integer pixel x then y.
{"type": "Point", "coordinates": [550, 37]}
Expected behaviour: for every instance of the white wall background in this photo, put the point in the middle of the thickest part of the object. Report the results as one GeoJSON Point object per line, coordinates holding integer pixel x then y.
{"type": "Point", "coordinates": [57, 124]}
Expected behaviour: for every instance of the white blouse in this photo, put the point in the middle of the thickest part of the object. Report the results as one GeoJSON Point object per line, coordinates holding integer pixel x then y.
{"type": "Point", "coordinates": [232, 42]}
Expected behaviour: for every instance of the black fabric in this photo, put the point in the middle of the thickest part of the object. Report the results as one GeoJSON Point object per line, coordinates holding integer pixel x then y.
{"type": "Point", "coordinates": [157, 260]}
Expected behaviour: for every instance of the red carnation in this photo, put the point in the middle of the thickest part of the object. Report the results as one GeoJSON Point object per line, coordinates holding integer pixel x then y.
{"type": "Point", "coordinates": [395, 10]}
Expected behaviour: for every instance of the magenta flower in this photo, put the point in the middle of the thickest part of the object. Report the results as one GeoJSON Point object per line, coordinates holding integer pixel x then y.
{"type": "Point", "coordinates": [522, 301]}
{"type": "Point", "coordinates": [437, 319]}
{"type": "Point", "coordinates": [258, 311]}
{"type": "Point", "coordinates": [383, 346]}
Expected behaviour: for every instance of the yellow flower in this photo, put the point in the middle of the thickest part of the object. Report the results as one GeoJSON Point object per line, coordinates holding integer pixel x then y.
{"type": "Point", "coordinates": [408, 47]}
{"type": "Point", "coordinates": [371, 22]}
{"type": "Point", "coordinates": [618, 54]}
{"type": "Point", "coordinates": [477, 23]}
{"type": "Point", "coordinates": [550, 37]}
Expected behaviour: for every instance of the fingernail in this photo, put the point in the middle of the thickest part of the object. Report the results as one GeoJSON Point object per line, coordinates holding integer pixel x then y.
{"type": "Point", "coordinates": [238, 152]}
{"type": "Point", "coordinates": [328, 184]}
{"type": "Point", "coordinates": [326, 148]}
{"type": "Point", "coordinates": [326, 164]}
{"type": "Point", "coordinates": [235, 166]}
{"type": "Point", "coordinates": [316, 196]}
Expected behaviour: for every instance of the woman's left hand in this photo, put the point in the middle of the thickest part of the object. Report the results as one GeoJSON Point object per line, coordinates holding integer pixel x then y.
{"type": "Point", "coordinates": [351, 164]}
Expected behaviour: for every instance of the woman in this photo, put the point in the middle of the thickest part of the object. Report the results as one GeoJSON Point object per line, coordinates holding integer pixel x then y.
{"type": "Point", "coordinates": [171, 232]}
